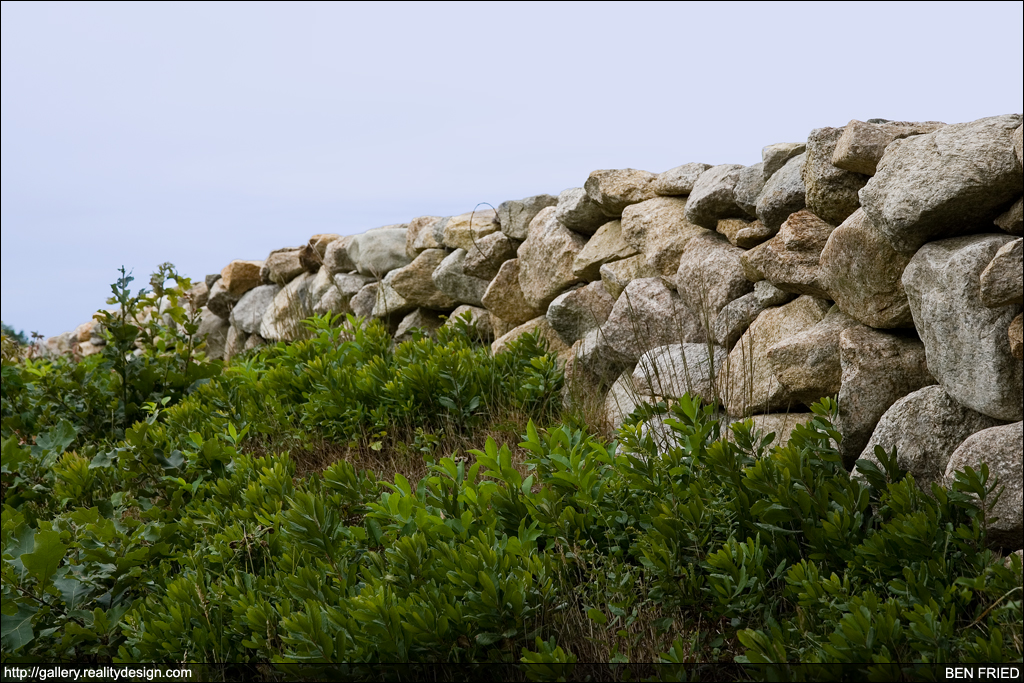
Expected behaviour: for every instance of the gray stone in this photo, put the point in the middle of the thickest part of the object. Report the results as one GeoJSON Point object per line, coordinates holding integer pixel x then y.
{"type": "Point", "coordinates": [254, 341]}
{"type": "Point", "coordinates": [783, 195]}
{"type": "Point", "coordinates": [774, 157]}
{"type": "Point", "coordinates": [790, 260]}
{"type": "Point", "coordinates": [282, 266]}
{"type": "Point", "coordinates": [234, 343]}
{"type": "Point", "coordinates": [1015, 333]}
{"type": "Point", "coordinates": [419, 236]}
{"type": "Point", "coordinates": [541, 326]}
{"type": "Point", "coordinates": [516, 215]}
{"type": "Point", "coordinates": [878, 369]}
{"type": "Point", "coordinates": [415, 282]}
{"type": "Point", "coordinates": [465, 230]}
{"type": "Point", "coordinates": [578, 212]}
{"type": "Point", "coordinates": [614, 190]}
{"type": "Point", "coordinates": [807, 363]}
{"type": "Point", "coordinates": [504, 297]}
{"type": "Point", "coordinates": [336, 297]}
{"type": "Point", "coordinates": [748, 187]}
{"type": "Point", "coordinates": [925, 428]}
{"type": "Point", "coordinates": [733, 320]}
{"type": "Point", "coordinates": [618, 274]}
{"type": "Point", "coordinates": [336, 256]}
{"type": "Point", "coordinates": [247, 315]}
{"type": "Point", "coordinates": [831, 192]}
{"type": "Point", "coordinates": [220, 300]}
{"type": "Point", "coordinates": [679, 180]}
{"type": "Point", "coordinates": [546, 258]}
{"type": "Point", "coordinates": [965, 342]}
{"type": "Point", "coordinates": [780, 424]}
{"type": "Point", "coordinates": [951, 182]}
{"type": "Point", "coordinates": [485, 258]}
{"type": "Point", "coordinates": [1017, 143]}
{"type": "Point", "coordinates": [605, 246]}
{"type": "Point", "coordinates": [479, 320]}
{"type": "Point", "coordinates": [621, 400]}
{"type": "Point", "coordinates": [197, 296]}
{"type": "Point", "coordinates": [378, 252]}
{"type": "Point", "coordinates": [714, 196]}
{"type": "Point", "coordinates": [1001, 449]}
{"type": "Point", "coordinates": [313, 254]}
{"type": "Point", "coordinates": [658, 229]}
{"type": "Point", "coordinates": [862, 273]}
{"type": "Point", "coordinates": [451, 279]}
{"type": "Point", "coordinates": [214, 330]}
{"type": "Point", "coordinates": [1002, 281]}
{"type": "Point", "coordinates": [422, 319]}
{"type": "Point", "coordinates": [389, 303]}
{"type": "Point", "coordinates": [769, 295]}
{"type": "Point", "coordinates": [676, 369]}
{"type": "Point", "coordinates": [648, 314]}
{"type": "Point", "coordinates": [362, 302]}
{"type": "Point", "coordinates": [578, 311]}
{"type": "Point", "coordinates": [743, 233]}
{"type": "Point", "coordinates": [710, 276]}
{"type": "Point", "coordinates": [282, 321]}
{"type": "Point", "coordinates": [861, 145]}
{"type": "Point", "coordinates": [1012, 220]}
{"type": "Point", "coordinates": [211, 279]}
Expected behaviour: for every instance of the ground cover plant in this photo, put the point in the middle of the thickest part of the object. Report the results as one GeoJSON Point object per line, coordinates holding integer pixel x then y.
{"type": "Point", "coordinates": [346, 499]}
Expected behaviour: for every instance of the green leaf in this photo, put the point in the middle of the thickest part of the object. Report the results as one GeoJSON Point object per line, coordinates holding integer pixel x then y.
{"type": "Point", "coordinates": [16, 629]}
{"type": "Point", "coordinates": [12, 455]}
{"type": "Point", "coordinates": [597, 616]}
{"type": "Point", "coordinates": [44, 560]}
{"type": "Point", "coordinates": [73, 591]}
{"type": "Point", "coordinates": [57, 439]}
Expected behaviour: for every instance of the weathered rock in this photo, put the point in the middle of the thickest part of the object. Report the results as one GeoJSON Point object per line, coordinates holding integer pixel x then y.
{"type": "Point", "coordinates": [89, 348]}
{"type": "Point", "coordinates": [238, 277]}
{"type": "Point", "coordinates": [478, 318]}
{"type": "Point", "coordinates": [1002, 281]}
{"type": "Point", "coordinates": [578, 311]}
{"type": "Point", "coordinates": [861, 145]}
{"type": "Point", "coordinates": [770, 295]}
{"type": "Point", "coordinates": [733, 320]}
{"type": "Point", "coordinates": [578, 212]}
{"type": "Point", "coordinates": [214, 329]}
{"type": "Point", "coordinates": [878, 369]}
{"type": "Point", "coordinates": [336, 256]}
{"type": "Point", "coordinates": [254, 341]}
{"type": "Point", "coordinates": [710, 275]}
{"type": "Point", "coordinates": [1012, 220]}
{"type": "Point", "coordinates": [463, 231]}
{"type": "Point", "coordinates": [546, 258]}
{"type": "Point", "coordinates": [539, 324]}
{"type": "Point", "coordinates": [714, 197]}
{"type": "Point", "coordinates": [749, 384]}
{"type": "Point", "coordinates": [621, 400]}
{"type": "Point", "coordinates": [419, 236]}
{"type": "Point", "coordinates": [648, 314]}
{"type": "Point", "coordinates": [504, 297]}
{"type": "Point", "coordinates": [221, 301]}
{"type": "Point", "coordinates": [597, 364]}
{"type": "Point", "coordinates": [379, 251]}
{"type": "Point", "coordinates": [605, 246]}
{"type": "Point", "coordinates": [281, 266]}
{"type": "Point", "coordinates": [515, 216]}
{"type": "Point", "coordinates": [831, 192]}
{"type": "Point", "coordinates": [336, 298]}
{"type": "Point", "coordinates": [422, 319]}
{"type": "Point", "coordinates": [658, 229]}
{"type": "Point", "coordinates": [363, 301]}
{"type": "Point", "coordinates": [679, 180]}
{"type": "Point", "coordinates": [616, 275]}
{"type": "Point", "coordinates": [291, 305]}
{"type": "Point", "coordinates": [314, 253]}
{"type": "Point", "coordinates": [781, 424]}
{"type": "Point", "coordinates": [1016, 335]}
{"type": "Point", "coordinates": [501, 327]}
{"type": "Point", "coordinates": [451, 279]}
{"type": "Point", "coordinates": [783, 195]}
{"type": "Point", "coordinates": [807, 363]}
{"type": "Point", "coordinates": [954, 181]}
{"type": "Point", "coordinates": [485, 258]}
{"type": "Point", "coordinates": [1001, 449]}
{"type": "Point", "coordinates": [247, 315]}
{"type": "Point", "coordinates": [743, 233]}
{"type": "Point", "coordinates": [211, 279]}
{"type": "Point", "coordinates": [677, 369]}
{"type": "Point", "coordinates": [614, 190]}
{"type": "Point", "coordinates": [84, 332]}
{"type": "Point", "coordinates": [389, 303]}
{"type": "Point", "coordinates": [1017, 144]}
{"type": "Point", "coordinates": [234, 342]}
{"type": "Point", "coordinates": [197, 296]}
{"type": "Point", "coordinates": [925, 428]}
{"type": "Point", "coordinates": [862, 273]}
{"type": "Point", "coordinates": [774, 157]}
{"type": "Point", "coordinates": [790, 259]}
{"type": "Point", "coordinates": [967, 351]}
{"type": "Point", "coordinates": [415, 283]}
{"type": "Point", "coordinates": [748, 187]}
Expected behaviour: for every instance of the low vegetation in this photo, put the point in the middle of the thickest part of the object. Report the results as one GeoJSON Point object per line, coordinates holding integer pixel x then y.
{"type": "Point", "coordinates": [345, 499]}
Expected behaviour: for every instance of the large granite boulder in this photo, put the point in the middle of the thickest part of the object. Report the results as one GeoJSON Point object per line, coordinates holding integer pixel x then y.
{"type": "Point", "coordinates": [247, 315]}
{"type": "Point", "coordinates": [831, 192]}
{"type": "Point", "coordinates": [714, 196]}
{"type": "Point", "coordinates": [238, 277]}
{"type": "Point", "coordinates": [427, 321]}
{"type": "Point", "coordinates": [658, 229]}
{"type": "Point", "coordinates": [1012, 220]}
{"type": "Point", "coordinates": [578, 212]}
{"type": "Point", "coordinates": [546, 258]}
{"type": "Point", "coordinates": [954, 181]}
{"type": "Point", "coordinates": [1015, 333]}
{"type": "Point", "coordinates": [749, 185]}
{"type": "Point", "coordinates": [516, 215]}
{"type": "Point", "coordinates": [419, 236]}
{"type": "Point", "coordinates": [213, 329]}
{"type": "Point", "coordinates": [743, 233]}
{"type": "Point", "coordinates": [710, 275]}
{"type": "Point", "coordinates": [734, 319]}
{"type": "Point", "coordinates": [389, 304]}
{"type": "Point", "coordinates": [862, 145]}
{"type": "Point", "coordinates": [504, 296]}
{"type": "Point", "coordinates": [488, 253]}
{"type": "Point", "coordinates": [621, 400]}
{"type": "Point", "coordinates": [616, 275]}
{"type": "Point", "coordinates": [363, 301]}
{"type": "Point", "coordinates": [1002, 281]}
{"type": "Point", "coordinates": [807, 363]}
{"type": "Point", "coordinates": [878, 369]}
{"type": "Point", "coordinates": [614, 190]}
{"type": "Point", "coordinates": [790, 259]}
{"type": "Point", "coordinates": [451, 279]}
{"type": "Point", "coordinates": [465, 230]}
{"type": "Point", "coordinates": [479, 319]}
{"type": "Point", "coordinates": [336, 256]}
{"type": "Point", "coordinates": [580, 310]}
{"type": "Point", "coordinates": [965, 341]}
{"type": "Point", "coordinates": [379, 251]}
{"type": "Point", "coordinates": [783, 194]}
{"type": "Point", "coordinates": [679, 181]}
{"type": "Point", "coordinates": [1001, 449]}
{"type": "Point", "coordinates": [862, 273]}
{"type": "Point", "coordinates": [925, 428]}
{"type": "Point", "coordinates": [605, 246]}
{"type": "Point", "coordinates": [541, 326]}
{"type": "Point", "coordinates": [646, 315]}
{"type": "Point", "coordinates": [282, 266]}
{"type": "Point", "coordinates": [676, 369]}
{"type": "Point", "coordinates": [313, 254]}
{"type": "Point", "coordinates": [221, 300]}
{"type": "Point", "coordinates": [415, 282]}
{"type": "Point", "coordinates": [336, 298]}
{"type": "Point", "coordinates": [774, 157]}
{"type": "Point", "coordinates": [282, 321]}
{"type": "Point", "coordinates": [749, 384]}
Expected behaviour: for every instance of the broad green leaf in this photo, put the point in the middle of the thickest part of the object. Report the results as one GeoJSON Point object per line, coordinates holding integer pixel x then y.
{"type": "Point", "coordinates": [57, 439]}
{"type": "Point", "coordinates": [12, 455]}
{"type": "Point", "coordinates": [16, 629]}
{"type": "Point", "coordinates": [73, 591]}
{"type": "Point", "coordinates": [44, 560]}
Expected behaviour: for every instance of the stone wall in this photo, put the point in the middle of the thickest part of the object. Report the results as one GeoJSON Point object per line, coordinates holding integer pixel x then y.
{"type": "Point", "coordinates": [880, 262]}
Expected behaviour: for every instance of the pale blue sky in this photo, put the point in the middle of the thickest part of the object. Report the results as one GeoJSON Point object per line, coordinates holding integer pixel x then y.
{"type": "Point", "coordinates": [198, 133]}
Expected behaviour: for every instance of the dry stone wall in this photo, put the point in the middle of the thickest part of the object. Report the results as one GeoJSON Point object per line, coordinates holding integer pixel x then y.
{"type": "Point", "coordinates": [880, 262]}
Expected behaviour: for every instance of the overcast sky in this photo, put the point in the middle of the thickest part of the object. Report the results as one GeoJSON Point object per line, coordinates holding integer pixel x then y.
{"type": "Point", "coordinates": [198, 133]}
